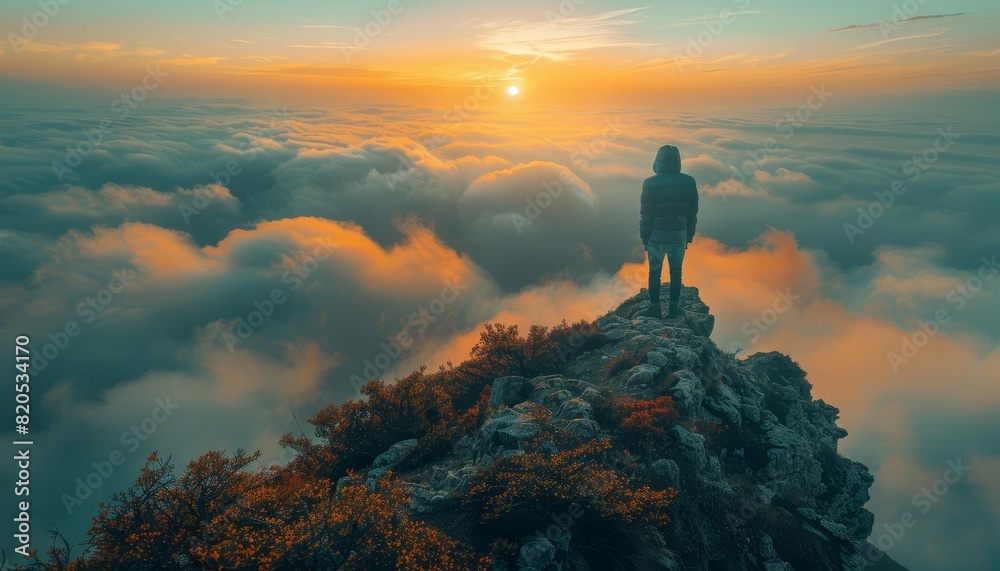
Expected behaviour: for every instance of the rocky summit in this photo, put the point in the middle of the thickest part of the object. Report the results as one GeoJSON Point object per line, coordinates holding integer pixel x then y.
{"type": "Point", "coordinates": [627, 444]}
{"type": "Point", "coordinates": [753, 457]}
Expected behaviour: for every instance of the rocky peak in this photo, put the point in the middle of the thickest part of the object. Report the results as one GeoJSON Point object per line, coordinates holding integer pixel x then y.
{"type": "Point", "coordinates": [753, 456]}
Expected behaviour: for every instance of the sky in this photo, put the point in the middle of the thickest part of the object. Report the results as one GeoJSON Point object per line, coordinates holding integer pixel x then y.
{"type": "Point", "coordinates": [172, 168]}
{"type": "Point", "coordinates": [571, 51]}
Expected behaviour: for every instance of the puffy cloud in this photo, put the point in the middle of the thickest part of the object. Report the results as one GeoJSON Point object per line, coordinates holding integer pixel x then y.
{"type": "Point", "coordinates": [391, 235]}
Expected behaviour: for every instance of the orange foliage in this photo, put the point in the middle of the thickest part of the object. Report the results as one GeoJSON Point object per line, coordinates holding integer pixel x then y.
{"type": "Point", "coordinates": [370, 530]}
{"type": "Point", "coordinates": [519, 492]}
{"type": "Point", "coordinates": [641, 417]}
{"type": "Point", "coordinates": [216, 516]}
{"type": "Point", "coordinates": [360, 430]}
{"type": "Point", "coordinates": [643, 422]}
{"type": "Point", "coordinates": [219, 515]}
{"type": "Point", "coordinates": [160, 521]}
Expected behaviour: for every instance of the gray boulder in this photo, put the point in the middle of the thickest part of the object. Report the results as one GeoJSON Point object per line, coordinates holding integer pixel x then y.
{"type": "Point", "coordinates": [509, 391]}
{"type": "Point", "coordinates": [537, 554]}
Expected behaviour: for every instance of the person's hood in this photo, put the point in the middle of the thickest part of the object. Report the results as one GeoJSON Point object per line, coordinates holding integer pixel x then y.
{"type": "Point", "coordinates": [668, 159]}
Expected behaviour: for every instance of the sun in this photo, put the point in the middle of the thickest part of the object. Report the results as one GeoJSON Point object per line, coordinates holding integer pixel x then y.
{"type": "Point", "coordinates": [513, 90]}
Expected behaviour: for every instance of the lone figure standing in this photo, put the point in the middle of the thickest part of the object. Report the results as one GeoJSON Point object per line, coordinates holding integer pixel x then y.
{"type": "Point", "coordinates": [667, 218]}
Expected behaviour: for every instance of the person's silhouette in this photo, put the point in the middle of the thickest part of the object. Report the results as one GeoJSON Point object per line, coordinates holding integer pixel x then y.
{"type": "Point", "coordinates": [667, 218]}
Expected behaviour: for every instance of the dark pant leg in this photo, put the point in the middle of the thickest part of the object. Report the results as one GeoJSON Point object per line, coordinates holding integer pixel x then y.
{"type": "Point", "coordinates": [675, 285]}
{"type": "Point", "coordinates": [655, 255]}
{"type": "Point", "coordinates": [676, 260]}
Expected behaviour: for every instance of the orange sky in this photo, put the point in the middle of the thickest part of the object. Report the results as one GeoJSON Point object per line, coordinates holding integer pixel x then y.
{"type": "Point", "coordinates": [639, 56]}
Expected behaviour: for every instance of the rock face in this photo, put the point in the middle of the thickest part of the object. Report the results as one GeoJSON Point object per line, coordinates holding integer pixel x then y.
{"type": "Point", "coordinates": [761, 487]}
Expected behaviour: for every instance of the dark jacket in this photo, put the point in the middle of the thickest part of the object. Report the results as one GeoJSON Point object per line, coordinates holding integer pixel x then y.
{"type": "Point", "coordinates": [669, 205]}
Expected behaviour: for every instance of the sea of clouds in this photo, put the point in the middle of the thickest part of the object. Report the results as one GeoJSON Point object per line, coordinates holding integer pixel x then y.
{"type": "Point", "coordinates": [197, 272]}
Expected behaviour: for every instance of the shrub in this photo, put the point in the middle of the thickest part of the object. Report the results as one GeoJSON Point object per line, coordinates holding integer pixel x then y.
{"type": "Point", "coordinates": [646, 419]}
{"type": "Point", "coordinates": [160, 522]}
{"type": "Point", "coordinates": [217, 516]}
{"type": "Point", "coordinates": [439, 440]}
{"type": "Point", "coordinates": [501, 351]}
{"type": "Point", "coordinates": [362, 529]}
{"type": "Point", "coordinates": [580, 337]}
{"type": "Point", "coordinates": [643, 422]}
{"type": "Point", "coordinates": [357, 431]}
{"type": "Point", "coordinates": [525, 488]}
{"type": "Point", "coordinates": [516, 495]}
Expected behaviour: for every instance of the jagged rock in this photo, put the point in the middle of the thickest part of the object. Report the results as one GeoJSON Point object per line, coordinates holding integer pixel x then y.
{"type": "Point", "coordinates": [341, 483]}
{"type": "Point", "coordinates": [750, 411]}
{"type": "Point", "coordinates": [702, 324]}
{"type": "Point", "coordinates": [772, 562]}
{"type": "Point", "coordinates": [724, 402]}
{"type": "Point", "coordinates": [508, 427]}
{"type": "Point", "coordinates": [766, 491]}
{"type": "Point", "coordinates": [574, 408]}
{"type": "Point", "coordinates": [642, 375]}
{"type": "Point", "coordinates": [394, 454]}
{"type": "Point", "coordinates": [688, 394]}
{"type": "Point", "coordinates": [665, 473]}
{"type": "Point", "coordinates": [557, 397]}
{"type": "Point", "coordinates": [538, 554]}
{"type": "Point", "coordinates": [685, 358]}
{"type": "Point", "coordinates": [657, 359]}
{"type": "Point", "coordinates": [390, 458]}
{"type": "Point", "coordinates": [508, 391]}
{"type": "Point", "coordinates": [591, 395]}
{"type": "Point", "coordinates": [423, 500]}
{"type": "Point", "coordinates": [837, 530]}
{"type": "Point", "coordinates": [586, 429]}
{"type": "Point", "coordinates": [446, 481]}
{"type": "Point", "coordinates": [690, 446]}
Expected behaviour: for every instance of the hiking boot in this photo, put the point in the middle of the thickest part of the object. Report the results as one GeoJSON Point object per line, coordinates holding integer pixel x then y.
{"type": "Point", "coordinates": [675, 311]}
{"type": "Point", "coordinates": [655, 310]}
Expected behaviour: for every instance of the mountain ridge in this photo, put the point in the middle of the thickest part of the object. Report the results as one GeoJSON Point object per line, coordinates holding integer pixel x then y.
{"type": "Point", "coordinates": [774, 478]}
{"type": "Point", "coordinates": [627, 443]}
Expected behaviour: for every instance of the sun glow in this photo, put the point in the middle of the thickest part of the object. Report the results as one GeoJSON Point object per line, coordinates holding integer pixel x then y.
{"type": "Point", "coordinates": [513, 90]}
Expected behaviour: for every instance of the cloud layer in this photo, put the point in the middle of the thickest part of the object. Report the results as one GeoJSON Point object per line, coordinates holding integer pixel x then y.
{"type": "Point", "coordinates": [250, 264]}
